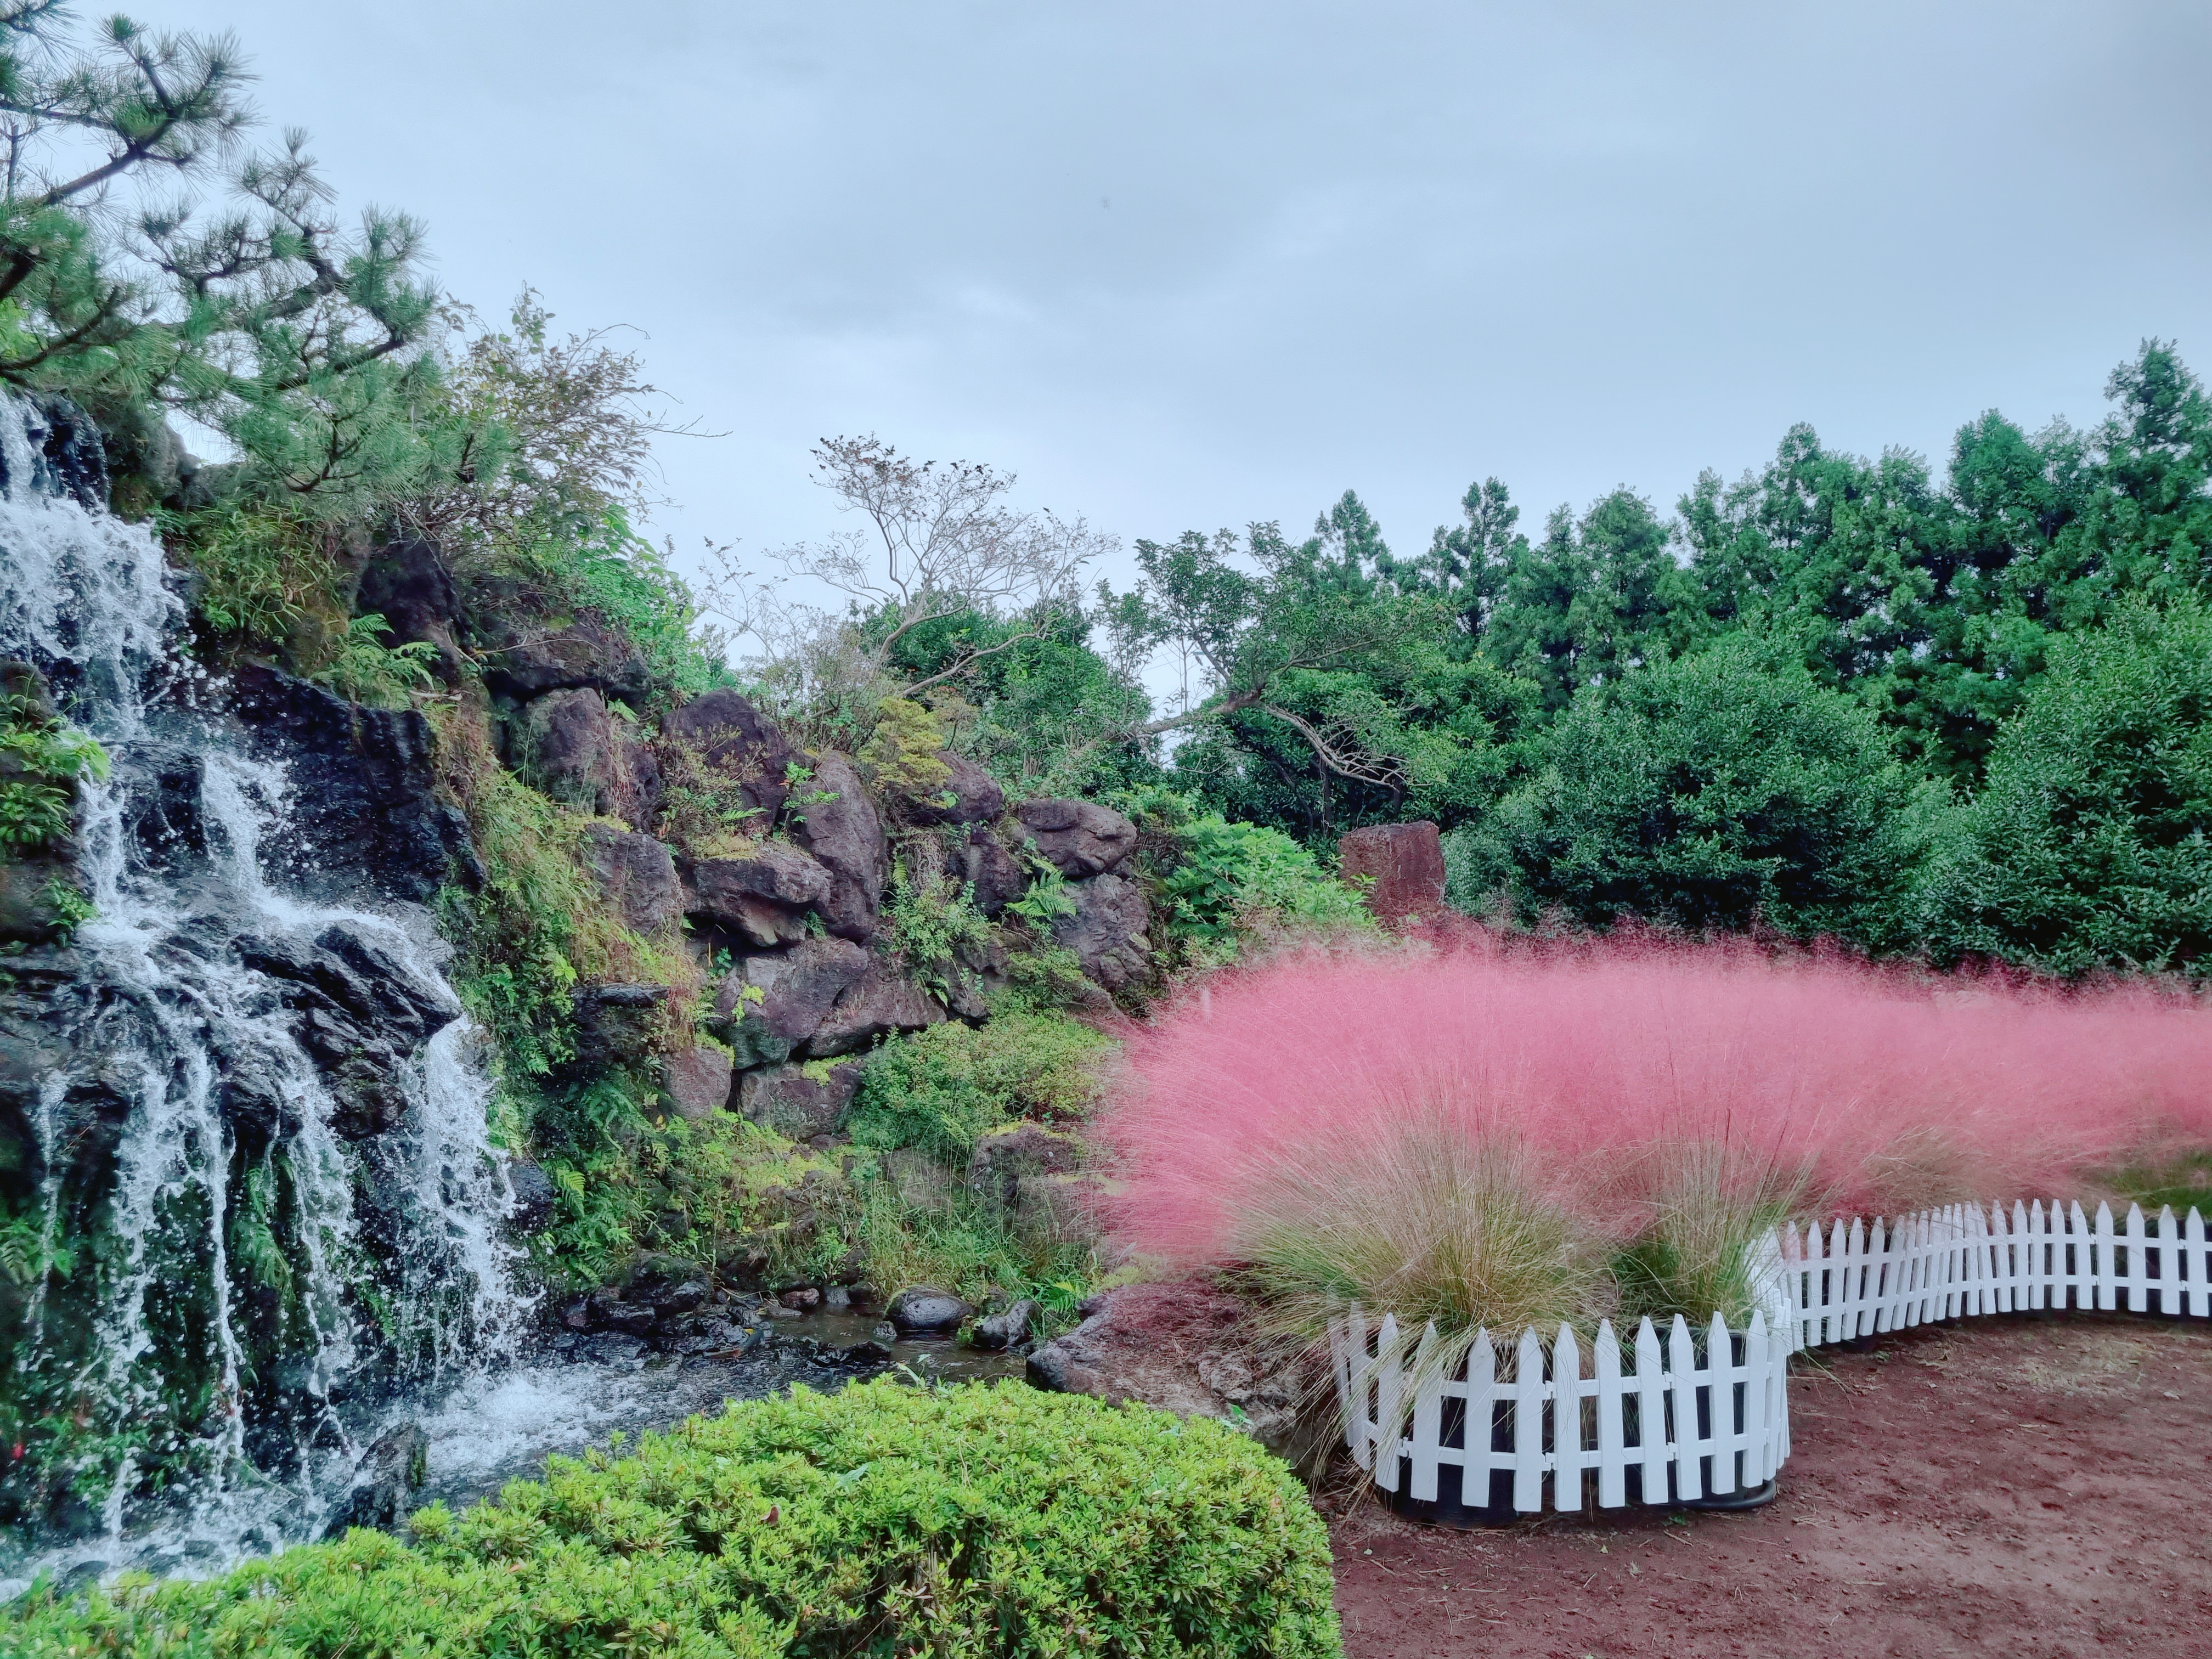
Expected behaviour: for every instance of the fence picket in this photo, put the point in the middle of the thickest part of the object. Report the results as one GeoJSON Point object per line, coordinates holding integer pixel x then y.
{"type": "Point", "coordinates": [1428, 1422]}
{"type": "Point", "coordinates": [2198, 1259]}
{"type": "Point", "coordinates": [1390, 1383]}
{"type": "Point", "coordinates": [1612, 1408]}
{"type": "Point", "coordinates": [1528, 1393]}
{"type": "Point", "coordinates": [1682, 1386]}
{"type": "Point", "coordinates": [1569, 1456]}
{"type": "Point", "coordinates": [1650, 1414]}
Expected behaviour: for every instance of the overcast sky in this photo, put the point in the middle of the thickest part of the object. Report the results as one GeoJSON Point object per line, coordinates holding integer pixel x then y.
{"type": "Point", "coordinates": [1186, 265]}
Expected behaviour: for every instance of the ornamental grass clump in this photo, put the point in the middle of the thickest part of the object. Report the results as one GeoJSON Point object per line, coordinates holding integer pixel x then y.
{"type": "Point", "coordinates": [1342, 1126]}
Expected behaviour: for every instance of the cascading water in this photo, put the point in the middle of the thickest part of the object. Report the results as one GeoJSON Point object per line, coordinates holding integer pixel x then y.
{"type": "Point", "coordinates": [218, 1262]}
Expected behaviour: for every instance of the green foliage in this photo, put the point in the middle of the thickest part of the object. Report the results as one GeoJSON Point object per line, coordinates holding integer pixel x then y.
{"type": "Point", "coordinates": [965, 1246]}
{"type": "Point", "coordinates": [902, 753]}
{"type": "Point", "coordinates": [42, 761]}
{"type": "Point", "coordinates": [931, 924]}
{"type": "Point", "coordinates": [965, 1522]}
{"type": "Point", "coordinates": [370, 671]}
{"type": "Point", "coordinates": [265, 579]}
{"type": "Point", "coordinates": [1704, 794]}
{"type": "Point", "coordinates": [939, 1090]}
{"type": "Point", "coordinates": [2091, 843]}
{"type": "Point", "coordinates": [606, 566]}
{"type": "Point", "coordinates": [1225, 875]}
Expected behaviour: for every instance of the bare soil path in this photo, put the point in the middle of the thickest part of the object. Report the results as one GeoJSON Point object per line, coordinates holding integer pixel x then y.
{"type": "Point", "coordinates": [2035, 1486]}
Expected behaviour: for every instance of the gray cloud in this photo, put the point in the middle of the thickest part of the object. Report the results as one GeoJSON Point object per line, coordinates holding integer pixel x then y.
{"type": "Point", "coordinates": [1185, 265]}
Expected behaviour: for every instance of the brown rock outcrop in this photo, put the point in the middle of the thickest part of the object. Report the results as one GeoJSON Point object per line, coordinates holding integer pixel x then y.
{"type": "Point", "coordinates": [1407, 861]}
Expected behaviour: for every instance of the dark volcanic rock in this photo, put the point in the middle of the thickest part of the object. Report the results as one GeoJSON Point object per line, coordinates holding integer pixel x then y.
{"type": "Point", "coordinates": [615, 1024]}
{"type": "Point", "coordinates": [1407, 861]}
{"type": "Point", "coordinates": [637, 874]}
{"type": "Point", "coordinates": [406, 582]}
{"type": "Point", "coordinates": [925, 1310]}
{"type": "Point", "coordinates": [1188, 1349]}
{"type": "Point", "coordinates": [535, 1197]}
{"type": "Point", "coordinates": [697, 1082]}
{"type": "Point", "coordinates": [1003, 1157]}
{"type": "Point", "coordinates": [1107, 931]}
{"type": "Point", "coordinates": [881, 1001]}
{"type": "Point", "coordinates": [1003, 1330]}
{"type": "Point", "coordinates": [1080, 837]}
{"type": "Point", "coordinates": [845, 834]}
{"type": "Point", "coordinates": [996, 877]}
{"type": "Point", "coordinates": [796, 989]}
{"type": "Point", "coordinates": [762, 893]}
{"type": "Point", "coordinates": [970, 795]}
{"type": "Point", "coordinates": [363, 791]}
{"type": "Point", "coordinates": [587, 653]}
{"type": "Point", "coordinates": [799, 1101]}
{"type": "Point", "coordinates": [735, 739]}
{"type": "Point", "coordinates": [355, 1010]}
{"type": "Point", "coordinates": [387, 1480]}
{"type": "Point", "coordinates": [567, 744]}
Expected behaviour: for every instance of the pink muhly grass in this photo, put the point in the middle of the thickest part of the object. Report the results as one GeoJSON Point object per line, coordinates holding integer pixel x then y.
{"type": "Point", "coordinates": [1629, 1081]}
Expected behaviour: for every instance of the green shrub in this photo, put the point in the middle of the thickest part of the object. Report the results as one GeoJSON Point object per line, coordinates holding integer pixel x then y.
{"type": "Point", "coordinates": [2090, 844]}
{"type": "Point", "coordinates": [966, 1246]}
{"type": "Point", "coordinates": [1710, 793]}
{"type": "Point", "coordinates": [369, 671]}
{"type": "Point", "coordinates": [42, 761]}
{"type": "Point", "coordinates": [967, 1522]}
{"type": "Point", "coordinates": [941, 1089]}
{"type": "Point", "coordinates": [1225, 875]}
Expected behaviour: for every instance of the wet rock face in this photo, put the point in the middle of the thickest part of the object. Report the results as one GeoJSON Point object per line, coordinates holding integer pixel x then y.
{"type": "Point", "coordinates": [842, 831]}
{"type": "Point", "coordinates": [1407, 861]}
{"type": "Point", "coordinates": [735, 739]}
{"type": "Point", "coordinates": [1005, 1330]}
{"type": "Point", "coordinates": [762, 895]}
{"type": "Point", "coordinates": [355, 1010]}
{"type": "Point", "coordinates": [1080, 837]}
{"type": "Point", "coordinates": [363, 791]}
{"type": "Point", "coordinates": [994, 875]}
{"type": "Point", "coordinates": [386, 1482]}
{"type": "Point", "coordinates": [1107, 930]}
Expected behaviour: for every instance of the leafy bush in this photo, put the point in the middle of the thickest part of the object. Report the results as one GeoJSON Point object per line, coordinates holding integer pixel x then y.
{"type": "Point", "coordinates": [966, 1246]}
{"type": "Point", "coordinates": [941, 1089]}
{"type": "Point", "coordinates": [42, 761]}
{"type": "Point", "coordinates": [964, 1521]}
{"type": "Point", "coordinates": [1224, 874]}
{"type": "Point", "coordinates": [370, 671]}
{"type": "Point", "coordinates": [265, 579]}
{"type": "Point", "coordinates": [930, 924]}
{"type": "Point", "coordinates": [1706, 793]}
{"type": "Point", "coordinates": [2090, 845]}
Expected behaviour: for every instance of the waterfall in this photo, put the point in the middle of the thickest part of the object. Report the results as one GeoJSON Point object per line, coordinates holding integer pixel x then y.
{"type": "Point", "coordinates": [232, 1289]}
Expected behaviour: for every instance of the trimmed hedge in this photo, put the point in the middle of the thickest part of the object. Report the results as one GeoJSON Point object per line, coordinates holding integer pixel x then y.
{"type": "Point", "coordinates": [882, 1520]}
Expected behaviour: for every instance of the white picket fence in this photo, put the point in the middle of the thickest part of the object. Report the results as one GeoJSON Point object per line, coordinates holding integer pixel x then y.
{"type": "Point", "coordinates": [1693, 1419]}
{"type": "Point", "coordinates": [1702, 1419]}
{"type": "Point", "coordinates": [1957, 1262]}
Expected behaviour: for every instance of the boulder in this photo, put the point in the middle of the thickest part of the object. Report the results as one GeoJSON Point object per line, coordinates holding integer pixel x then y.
{"type": "Point", "coordinates": [406, 582]}
{"type": "Point", "coordinates": [797, 989]}
{"type": "Point", "coordinates": [385, 1482]}
{"type": "Point", "coordinates": [697, 1082]}
{"type": "Point", "coordinates": [1003, 1157]}
{"type": "Point", "coordinates": [585, 652]}
{"type": "Point", "coordinates": [355, 1009]}
{"type": "Point", "coordinates": [1080, 837]}
{"type": "Point", "coordinates": [1185, 1347]}
{"type": "Point", "coordinates": [1107, 930]}
{"type": "Point", "coordinates": [638, 876]}
{"type": "Point", "coordinates": [994, 875]}
{"type": "Point", "coordinates": [616, 1026]}
{"type": "Point", "coordinates": [363, 814]}
{"type": "Point", "coordinates": [799, 1101]}
{"type": "Point", "coordinates": [969, 795]}
{"type": "Point", "coordinates": [881, 1001]}
{"type": "Point", "coordinates": [535, 1197]}
{"type": "Point", "coordinates": [565, 744]}
{"type": "Point", "coordinates": [1407, 861]}
{"type": "Point", "coordinates": [760, 894]}
{"type": "Point", "coordinates": [925, 1310]}
{"type": "Point", "coordinates": [1005, 1330]}
{"type": "Point", "coordinates": [732, 736]}
{"type": "Point", "coordinates": [842, 831]}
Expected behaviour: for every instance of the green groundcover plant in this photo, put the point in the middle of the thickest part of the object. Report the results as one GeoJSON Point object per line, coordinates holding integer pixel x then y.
{"type": "Point", "coordinates": [883, 1520]}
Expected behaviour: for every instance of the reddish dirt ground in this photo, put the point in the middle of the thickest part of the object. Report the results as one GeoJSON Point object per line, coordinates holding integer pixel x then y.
{"type": "Point", "coordinates": [2034, 1486]}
